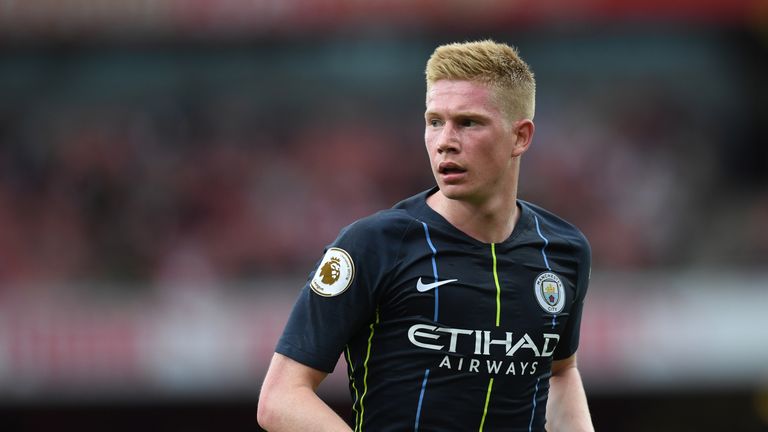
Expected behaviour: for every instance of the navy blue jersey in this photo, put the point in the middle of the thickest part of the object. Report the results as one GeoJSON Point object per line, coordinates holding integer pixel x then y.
{"type": "Point", "coordinates": [440, 331]}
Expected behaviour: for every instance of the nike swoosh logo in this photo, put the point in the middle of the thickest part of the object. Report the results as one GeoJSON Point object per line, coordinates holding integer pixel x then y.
{"type": "Point", "coordinates": [422, 287]}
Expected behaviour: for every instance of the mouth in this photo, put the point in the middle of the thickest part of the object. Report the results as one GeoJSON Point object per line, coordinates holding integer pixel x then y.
{"type": "Point", "coordinates": [448, 168]}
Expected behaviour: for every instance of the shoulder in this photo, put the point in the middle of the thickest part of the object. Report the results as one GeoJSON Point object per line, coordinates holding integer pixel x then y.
{"type": "Point", "coordinates": [557, 226]}
{"type": "Point", "coordinates": [372, 243]}
{"type": "Point", "coordinates": [390, 223]}
{"type": "Point", "coordinates": [384, 225]}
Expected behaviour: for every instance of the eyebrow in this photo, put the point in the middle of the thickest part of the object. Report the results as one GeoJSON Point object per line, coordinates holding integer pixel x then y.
{"type": "Point", "coordinates": [459, 114]}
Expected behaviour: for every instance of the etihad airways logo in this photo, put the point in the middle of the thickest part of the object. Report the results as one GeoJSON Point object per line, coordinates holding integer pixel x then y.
{"type": "Point", "coordinates": [438, 338]}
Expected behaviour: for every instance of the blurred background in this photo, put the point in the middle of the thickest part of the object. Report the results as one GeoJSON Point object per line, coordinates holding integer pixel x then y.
{"type": "Point", "coordinates": [171, 170]}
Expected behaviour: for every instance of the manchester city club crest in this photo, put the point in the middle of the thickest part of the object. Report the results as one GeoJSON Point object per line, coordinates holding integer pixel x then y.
{"type": "Point", "coordinates": [335, 273]}
{"type": "Point", "coordinates": [550, 292]}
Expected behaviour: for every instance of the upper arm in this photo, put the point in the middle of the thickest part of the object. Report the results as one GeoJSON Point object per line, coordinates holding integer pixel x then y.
{"type": "Point", "coordinates": [285, 374]}
{"type": "Point", "coordinates": [288, 401]}
{"type": "Point", "coordinates": [342, 294]}
{"type": "Point", "coordinates": [569, 341]}
{"type": "Point", "coordinates": [559, 367]}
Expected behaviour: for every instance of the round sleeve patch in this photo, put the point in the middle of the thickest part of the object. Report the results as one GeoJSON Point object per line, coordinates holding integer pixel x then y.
{"type": "Point", "coordinates": [335, 273]}
{"type": "Point", "coordinates": [550, 292]}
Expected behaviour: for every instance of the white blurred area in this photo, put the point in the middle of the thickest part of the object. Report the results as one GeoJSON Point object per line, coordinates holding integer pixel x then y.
{"type": "Point", "coordinates": [640, 333]}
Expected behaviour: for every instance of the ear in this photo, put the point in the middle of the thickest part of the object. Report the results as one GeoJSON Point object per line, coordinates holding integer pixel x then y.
{"type": "Point", "coordinates": [523, 136]}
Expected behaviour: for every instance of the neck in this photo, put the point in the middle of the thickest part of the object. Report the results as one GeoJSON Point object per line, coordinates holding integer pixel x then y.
{"type": "Point", "coordinates": [490, 221]}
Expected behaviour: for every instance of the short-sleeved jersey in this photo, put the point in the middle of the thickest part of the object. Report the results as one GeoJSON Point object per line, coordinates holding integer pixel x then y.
{"type": "Point", "coordinates": [442, 332]}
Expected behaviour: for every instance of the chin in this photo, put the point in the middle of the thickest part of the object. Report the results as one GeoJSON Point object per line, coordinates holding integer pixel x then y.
{"type": "Point", "coordinates": [455, 192]}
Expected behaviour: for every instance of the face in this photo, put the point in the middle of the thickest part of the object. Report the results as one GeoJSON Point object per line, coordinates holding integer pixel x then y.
{"type": "Point", "coordinates": [473, 147]}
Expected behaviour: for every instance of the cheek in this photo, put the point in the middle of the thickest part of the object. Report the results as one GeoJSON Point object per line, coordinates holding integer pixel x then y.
{"type": "Point", "coordinates": [428, 135]}
{"type": "Point", "coordinates": [494, 159]}
{"type": "Point", "coordinates": [429, 141]}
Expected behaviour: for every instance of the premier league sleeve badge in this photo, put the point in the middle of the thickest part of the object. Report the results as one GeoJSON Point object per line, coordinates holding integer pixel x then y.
{"type": "Point", "coordinates": [335, 273]}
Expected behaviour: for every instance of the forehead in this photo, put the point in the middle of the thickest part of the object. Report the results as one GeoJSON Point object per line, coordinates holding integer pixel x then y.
{"type": "Point", "coordinates": [460, 96]}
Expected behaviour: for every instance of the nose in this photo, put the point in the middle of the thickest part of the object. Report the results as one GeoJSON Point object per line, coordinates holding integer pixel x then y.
{"type": "Point", "coordinates": [448, 140]}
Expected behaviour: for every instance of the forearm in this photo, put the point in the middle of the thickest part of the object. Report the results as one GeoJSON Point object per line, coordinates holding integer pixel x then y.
{"type": "Point", "coordinates": [299, 410]}
{"type": "Point", "coordinates": [567, 409]}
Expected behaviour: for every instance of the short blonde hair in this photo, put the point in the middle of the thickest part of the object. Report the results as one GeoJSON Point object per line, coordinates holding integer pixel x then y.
{"type": "Point", "coordinates": [492, 63]}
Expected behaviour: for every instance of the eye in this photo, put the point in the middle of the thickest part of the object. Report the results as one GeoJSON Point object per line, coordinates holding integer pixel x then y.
{"type": "Point", "coordinates": [434, 122]}
{"type": "Point", "coordinates": [467, 122]}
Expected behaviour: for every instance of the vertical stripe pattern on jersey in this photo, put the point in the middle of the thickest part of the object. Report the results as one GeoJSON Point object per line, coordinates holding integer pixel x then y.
{"type": "Point", "coordinates": [498, 322]}
{"type": "Point", "coordinates": [498, 287]}
{"type": "Point", "coordinates": [434, 265]}
{"type": "Point", "coordinates": [546, 243]}
{"type": "Point", "coordinates": [435, 276]}
{"type": "Point", "coordinates": [352, 380]}
{"type": "Point", "coordinates": [487, 399]}
{"type": "Point", "coordinates": [421, 399]}
{"type": "Point", "coordinates": [533, 411]}
{"type": "Point", "coordinates": [365, 374]}
{"type": "Point", "coordinates": [546, 261]}
{"type": "Point", "coordinates": [554, 317]}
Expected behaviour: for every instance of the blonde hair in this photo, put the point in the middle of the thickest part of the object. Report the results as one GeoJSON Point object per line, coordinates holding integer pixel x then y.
{"type": "Point", "coordinates": [495, 64]}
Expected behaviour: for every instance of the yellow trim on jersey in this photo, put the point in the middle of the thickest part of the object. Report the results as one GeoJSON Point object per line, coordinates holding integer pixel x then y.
{"type": "Point", "coordinates": [352, 380]}
{"type": "Point", "coordinates": [498, 322]}
{"type": "Point", "coordinates": [365, 372]}
{"type": "Point", "coordinates": [498, 287]}
{"type": "Point", "coordinates": [487, 399]}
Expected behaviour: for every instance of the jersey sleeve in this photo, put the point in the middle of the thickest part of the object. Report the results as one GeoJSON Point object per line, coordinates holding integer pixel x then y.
{"type": "Point", "coordinates": [339, 298]}
{"type": "Point", "coordinates": [569, 341]}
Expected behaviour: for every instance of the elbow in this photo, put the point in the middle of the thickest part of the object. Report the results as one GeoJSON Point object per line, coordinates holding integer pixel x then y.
{"type": "Point", "coordinates": [266, 414]}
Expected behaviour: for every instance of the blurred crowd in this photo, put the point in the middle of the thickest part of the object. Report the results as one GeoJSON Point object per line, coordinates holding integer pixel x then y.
{"type": "Point", "coordinates": [174, 170]}
{"type": "Point", "coordinates": [107, 192]}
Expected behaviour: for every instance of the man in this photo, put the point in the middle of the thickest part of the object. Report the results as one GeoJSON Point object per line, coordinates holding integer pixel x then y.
{"type": "Point", "coordinates": [458, 309]}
